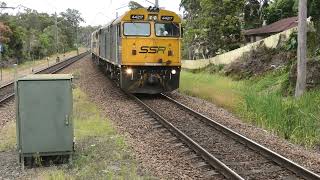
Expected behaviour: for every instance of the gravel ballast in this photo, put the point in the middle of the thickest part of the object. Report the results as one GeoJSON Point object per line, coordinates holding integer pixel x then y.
{"type": "Point", "coordinates": [151, 147]}
{"type": "Point", "coordinates": [248, 164]}
{"type": "Point", "coordinates": [306, 157]}
{"type": "Point", "coordinates": [7, 113]}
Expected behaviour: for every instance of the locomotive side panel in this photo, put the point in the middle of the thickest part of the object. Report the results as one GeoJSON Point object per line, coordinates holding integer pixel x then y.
{"type": "Point", "coordinates": [110, 44]}
{"type": "Point", "coordinates": [94, 44]}
{"type": "Point", "coordinates": [102, 43]}
{"type": "Point", "coordinates": [113, 43]}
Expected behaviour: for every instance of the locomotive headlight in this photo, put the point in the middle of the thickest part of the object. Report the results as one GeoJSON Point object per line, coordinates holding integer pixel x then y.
{"type": "Point", "coordinates": [129, 71]}
{"type": "Point", "coordinates": [155, 18]}
{"type": "Point", "coordinates": [173, 71]}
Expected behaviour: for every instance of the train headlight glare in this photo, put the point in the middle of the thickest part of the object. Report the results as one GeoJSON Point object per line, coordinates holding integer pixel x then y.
{"type": "Point", "coordinates": [173, 71]}
{"type": "Point", "coordinates": [129, 71]}
{"type": "Point", "coordinates": [155, 18]}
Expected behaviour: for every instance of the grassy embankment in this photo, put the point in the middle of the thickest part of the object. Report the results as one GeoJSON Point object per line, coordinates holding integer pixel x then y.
{"type": "Point", "coordinates": [100, 152]}
{"type": "Point", "coordinates": [39, 62]}
{"type": "Point", "coordinates": [260, 101]}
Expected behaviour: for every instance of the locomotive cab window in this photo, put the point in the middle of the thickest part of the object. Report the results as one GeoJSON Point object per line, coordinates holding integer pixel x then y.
{"type": "Point", "coordinates": [136, 29]}
{"type": "Point", "coordinates": [167, 29]}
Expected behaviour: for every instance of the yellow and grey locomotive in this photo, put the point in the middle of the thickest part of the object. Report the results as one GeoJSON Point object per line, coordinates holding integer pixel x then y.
{"type": "Point", "coordinates": [141, 50]}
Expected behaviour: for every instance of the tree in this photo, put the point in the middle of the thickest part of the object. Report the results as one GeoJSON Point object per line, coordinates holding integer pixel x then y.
{"type": "Point", "coordinates": [280, 9]}
{"type": "Point", "coordinates": [302, 49]}
{"type": "Point", "coordinates": [212, 26]}
{"type": "Point", "coordinates": [253, 13]}
{"type": "Point", "coordinates": [5, 32]}
{"type": "Point", "coordinates": [314, 12]}
{"type": "Point", "coordinates": [17, 39]}
{"type": "Point", "coordinates": [85, 35]}
{"type": "Point", "coordinates": [33, 33]}
{"type": "Point", "coordinates": [69, 25]}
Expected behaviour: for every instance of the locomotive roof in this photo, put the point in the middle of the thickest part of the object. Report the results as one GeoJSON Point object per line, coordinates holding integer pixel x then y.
{"type": "Point", "coordinates": [143, 11]}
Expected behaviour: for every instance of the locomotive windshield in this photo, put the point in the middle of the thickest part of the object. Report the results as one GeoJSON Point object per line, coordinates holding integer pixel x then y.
{"type": "Point", "coordinates": [136, 29]}
{"type": "Point", "coordinates": [167, 29]}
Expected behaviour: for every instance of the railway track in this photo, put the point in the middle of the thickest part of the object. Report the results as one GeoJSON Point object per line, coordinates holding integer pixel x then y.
{"type": "Point", "coordinates": [7, 90]}
{"type": "Point", "coordinates": [229, 153]}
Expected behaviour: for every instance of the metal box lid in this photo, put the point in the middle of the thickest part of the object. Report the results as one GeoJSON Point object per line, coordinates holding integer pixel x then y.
{"type": "Point", "coordinates": [41, 77]}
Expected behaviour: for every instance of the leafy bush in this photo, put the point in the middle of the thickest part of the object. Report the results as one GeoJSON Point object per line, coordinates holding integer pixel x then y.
{"type": "Point", "coordinates": [317, 53]}
{"type": "Point", "coordinates": [292, 42]}
{"type": "Point", "coordinates": [212, 68]}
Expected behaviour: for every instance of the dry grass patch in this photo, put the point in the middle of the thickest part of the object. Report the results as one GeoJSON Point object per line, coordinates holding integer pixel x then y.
{"type": "Point", "coordinates": [8, 136]}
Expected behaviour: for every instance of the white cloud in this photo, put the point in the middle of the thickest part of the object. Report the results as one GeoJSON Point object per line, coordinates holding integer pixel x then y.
{"type": "Point", "coordinates": [95, 12]}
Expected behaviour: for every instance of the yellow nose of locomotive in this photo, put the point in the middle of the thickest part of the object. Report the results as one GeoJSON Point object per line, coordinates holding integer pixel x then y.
{"type": "Point", "coordinates": [142, 51]}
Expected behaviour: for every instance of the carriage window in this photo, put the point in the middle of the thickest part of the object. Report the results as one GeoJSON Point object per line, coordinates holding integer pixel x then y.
{"type": "Point", "coordinates": [167, 29]}
{"type": "Point", "coordinates": [136, 29]}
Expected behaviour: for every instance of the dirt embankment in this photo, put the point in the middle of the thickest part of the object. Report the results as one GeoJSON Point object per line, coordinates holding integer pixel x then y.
{"type": "Point", "coordinates": [262, 60]}
{"type": "Point", "coordinates": [258, 62]}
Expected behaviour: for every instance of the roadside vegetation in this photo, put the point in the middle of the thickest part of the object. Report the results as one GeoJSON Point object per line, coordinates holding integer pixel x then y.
{"type": "Point", "coordinates": [100, 153]}
{"type": "Point", "coordinates": [259, 86]}
{"type": "Point", "coordinates": [29, 35]}
{"type": "Point", "coordinates": [215, 27]}
{"type": "Point", "coordinates": [52, 60]}
{"type": "Point", "coordinates": [8, 137]}
{"type": "Point", "coordinates": [261, 100]}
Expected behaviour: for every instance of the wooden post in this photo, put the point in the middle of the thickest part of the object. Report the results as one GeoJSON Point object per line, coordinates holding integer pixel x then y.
{"type": "Point", "coordinates": [302, 49]}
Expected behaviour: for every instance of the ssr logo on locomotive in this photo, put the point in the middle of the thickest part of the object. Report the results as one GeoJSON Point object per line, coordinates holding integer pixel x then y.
{"type": "Point", "coordinates": [152, 49]}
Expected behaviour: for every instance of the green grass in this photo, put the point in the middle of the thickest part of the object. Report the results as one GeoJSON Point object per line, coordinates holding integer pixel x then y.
{"type": "Point", "coordinates": [212, 87]}
{"type": "Point", "coordinates": [260, 101]}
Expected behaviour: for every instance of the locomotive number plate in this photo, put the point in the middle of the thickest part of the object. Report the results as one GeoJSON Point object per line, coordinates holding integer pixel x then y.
{"type": "Point", "coordinates": [167, 18]}
{"type": "Point", "coordinates": [137, 17]}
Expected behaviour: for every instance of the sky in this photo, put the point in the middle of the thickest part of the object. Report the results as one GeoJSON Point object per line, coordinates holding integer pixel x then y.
{"type": "Point", "coordinates": [95, 12]}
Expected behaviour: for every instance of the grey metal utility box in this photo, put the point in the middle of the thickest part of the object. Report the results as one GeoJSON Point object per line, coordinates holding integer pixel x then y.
{"type": "Point", "coordinates": [44, 115]}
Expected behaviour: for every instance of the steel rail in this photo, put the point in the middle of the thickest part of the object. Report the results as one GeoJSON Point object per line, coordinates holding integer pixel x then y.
{"type": "Point", "coordinates": [213, 161]}
{"type": "Point", "coordinates": [277, 158]}
{"type": "Point", "coordinates": [48, 70]}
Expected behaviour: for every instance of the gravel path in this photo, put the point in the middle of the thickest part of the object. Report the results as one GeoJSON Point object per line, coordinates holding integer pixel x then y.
{"type": "Point", "coordinates": [305, 157]}
{"type": "Point", "coordinates": [152, 148]}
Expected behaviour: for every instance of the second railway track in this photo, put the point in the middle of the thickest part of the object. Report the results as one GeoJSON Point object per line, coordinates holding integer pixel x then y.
{"type": "Point", "coordinates": [7, 90]}
{"type": "Point", "coordinates": [233, 155]}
